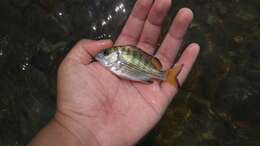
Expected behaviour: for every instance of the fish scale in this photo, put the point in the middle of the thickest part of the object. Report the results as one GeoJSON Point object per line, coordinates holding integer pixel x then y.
{"type": "Point", "coordinates": [138, 59]}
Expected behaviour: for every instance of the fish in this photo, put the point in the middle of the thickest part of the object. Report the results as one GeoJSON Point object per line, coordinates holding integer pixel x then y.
{"type": "Point", "coordinates": [131, 63]}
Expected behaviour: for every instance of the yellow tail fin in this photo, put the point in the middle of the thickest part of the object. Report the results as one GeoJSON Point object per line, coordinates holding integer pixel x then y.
{"type": "Point", "coordinates": [171, 75]}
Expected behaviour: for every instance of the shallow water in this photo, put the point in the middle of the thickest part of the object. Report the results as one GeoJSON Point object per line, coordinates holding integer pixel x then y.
{"type": "Point", "coordinates": [218, 105]}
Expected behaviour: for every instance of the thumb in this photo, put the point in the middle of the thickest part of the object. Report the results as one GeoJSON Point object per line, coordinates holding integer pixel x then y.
{"type": "Point", "coordinates": [84, 51]}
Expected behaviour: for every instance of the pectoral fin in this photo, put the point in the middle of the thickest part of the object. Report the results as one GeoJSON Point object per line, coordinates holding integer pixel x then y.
{"type": "Point", "coordinates": [156, 62]}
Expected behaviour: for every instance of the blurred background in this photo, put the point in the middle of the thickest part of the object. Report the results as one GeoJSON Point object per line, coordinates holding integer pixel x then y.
{"type": "Point", "coordinates": [219, 104]}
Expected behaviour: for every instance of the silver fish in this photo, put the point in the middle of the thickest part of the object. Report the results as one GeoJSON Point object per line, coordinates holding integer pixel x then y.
{"type": "Point", "coordinates": [130, 62]}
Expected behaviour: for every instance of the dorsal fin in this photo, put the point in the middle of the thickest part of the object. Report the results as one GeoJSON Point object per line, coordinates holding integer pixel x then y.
{"type": "Point", "coordinates": [156, 62]}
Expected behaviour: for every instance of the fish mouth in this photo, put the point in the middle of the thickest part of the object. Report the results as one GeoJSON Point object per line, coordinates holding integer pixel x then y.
{"type": "Point", "coordinates": [99, 56]}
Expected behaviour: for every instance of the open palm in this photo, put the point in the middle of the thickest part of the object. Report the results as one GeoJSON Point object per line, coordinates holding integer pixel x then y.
{"type": "Point", "coordinates": [113, 110]}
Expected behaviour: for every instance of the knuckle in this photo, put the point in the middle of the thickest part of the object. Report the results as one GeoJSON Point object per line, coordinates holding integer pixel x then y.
{"type": "Point", "coordinates": [165, 58]}
{"type": "Point", "coordinates": [162, 6]}
{"type": "Point", "coordinates": [144, 4]}
{"type": "Point", "coordinates": [83, 42]}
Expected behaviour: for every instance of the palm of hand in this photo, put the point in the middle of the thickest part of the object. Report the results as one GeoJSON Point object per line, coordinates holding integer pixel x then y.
{"type": "Point", "coordinates": [104, 100]}
{"type": "Point", "coordinates": [104, 104]}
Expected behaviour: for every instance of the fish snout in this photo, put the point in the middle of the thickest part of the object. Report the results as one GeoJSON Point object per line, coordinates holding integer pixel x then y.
{"type": "Point", "coordinates": [99, 56]}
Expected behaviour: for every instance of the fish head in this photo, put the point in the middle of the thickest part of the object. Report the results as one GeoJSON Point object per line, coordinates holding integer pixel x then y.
{"type": "Point", "coordinates": [107, 57]}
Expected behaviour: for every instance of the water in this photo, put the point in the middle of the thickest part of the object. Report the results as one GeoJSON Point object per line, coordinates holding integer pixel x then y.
{"type": "Point", "coordinates": [218, 105]}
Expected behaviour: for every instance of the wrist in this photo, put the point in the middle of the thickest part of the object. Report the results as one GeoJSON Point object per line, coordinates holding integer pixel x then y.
{"type": "Point", "coordinates": [63, 131]}
{"type": "Point", "coordinates": [83, 135]}
{"type": "Point", "coordinates": [55, 134]}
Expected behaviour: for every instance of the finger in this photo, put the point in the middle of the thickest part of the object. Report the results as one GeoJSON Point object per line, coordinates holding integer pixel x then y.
{"type": "Point", "coordinates": [187, 59]}
{"type": "Point", "coordinates": [171, 44]}
{"type": "Point", "coordinates": [153, 24]}
{"type": "Point", "coordinates": [134, 25]}
{"type": "Point", "coordinates": [84, 51]}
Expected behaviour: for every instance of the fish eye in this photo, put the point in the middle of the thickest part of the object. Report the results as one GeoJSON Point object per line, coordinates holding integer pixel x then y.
{"type": "Point", "coordinates": [106, 52]}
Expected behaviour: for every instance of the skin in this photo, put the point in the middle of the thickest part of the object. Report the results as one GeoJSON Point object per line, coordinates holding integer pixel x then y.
{"type": "Point", "coordinates": [95, 107]}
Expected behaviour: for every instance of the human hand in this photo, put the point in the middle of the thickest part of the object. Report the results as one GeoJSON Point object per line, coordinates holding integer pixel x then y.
{"type": "Point", "coordinates": [114, 111]}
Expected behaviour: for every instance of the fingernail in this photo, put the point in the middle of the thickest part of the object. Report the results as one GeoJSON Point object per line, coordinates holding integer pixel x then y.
{"type": "Point", "coordinates": [107, 41]}
{"type": "Point", "coordinates": [186, 13]}
{"type": "Point", "coordinates": [195, 45]}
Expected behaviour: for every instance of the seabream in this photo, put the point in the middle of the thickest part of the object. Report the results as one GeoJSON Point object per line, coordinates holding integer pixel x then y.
{"type": "Point", "coordinates": [131, 63]}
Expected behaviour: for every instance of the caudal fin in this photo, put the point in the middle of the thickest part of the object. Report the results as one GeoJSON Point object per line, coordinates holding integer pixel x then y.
{"type": "Point", "coordinates": [171, 75]}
